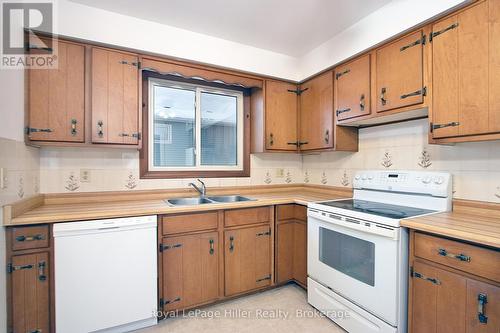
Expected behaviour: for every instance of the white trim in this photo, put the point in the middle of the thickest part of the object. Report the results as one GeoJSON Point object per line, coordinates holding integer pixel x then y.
{"type": "Point", "coordinates": [198, 90]}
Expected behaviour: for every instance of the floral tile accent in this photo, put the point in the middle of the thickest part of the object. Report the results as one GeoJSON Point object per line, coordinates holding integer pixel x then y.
{"type": "Point", "coordinates": [20, 187]}
{"type": "Point", "coordinates": [324, 179]}
{"type": "Point", "coordinates": [72, 183]}
{"type": "Point", "coordinates": [288, 177]}
{"type": "Point", "coordinates": [345, 179]}
{"type": "Point", "coordinates": [387, 160]}
{"type": "Point", "coordinates": [267, 178]}
{"type": "Point", "coordinates": [306, 177]}
{"type": "Point", "coordinates": [425, 159]}
{"type": "Point", "coordinates": [131, 181]}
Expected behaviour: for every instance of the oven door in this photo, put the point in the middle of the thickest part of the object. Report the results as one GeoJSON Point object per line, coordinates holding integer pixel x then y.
{"type": "Point", "coordinates": [359, 261]}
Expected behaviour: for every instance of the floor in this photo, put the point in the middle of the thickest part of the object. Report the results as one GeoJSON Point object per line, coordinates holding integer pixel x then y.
{"type": "Point", "coordinates": [277, 310]}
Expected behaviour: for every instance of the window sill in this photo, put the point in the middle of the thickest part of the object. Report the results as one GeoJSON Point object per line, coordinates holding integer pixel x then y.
{"type": "Point", "coordinates": [195, 174]}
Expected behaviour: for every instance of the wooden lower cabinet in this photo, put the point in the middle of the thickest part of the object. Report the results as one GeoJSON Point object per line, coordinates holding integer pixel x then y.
{"type": "Point", "coordinates": [291, 244]}
{"type": "Point", "coordinates": [191, 274]}
{"type": "Point", "coordinates": [447, 300]}
{"type": "Point", "coordinates": [29, 293]}
{"type": "Point", "coordinates": [247, 257]}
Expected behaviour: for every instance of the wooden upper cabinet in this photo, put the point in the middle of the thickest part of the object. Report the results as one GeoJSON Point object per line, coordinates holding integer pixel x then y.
{"type": "Point", "coordinates": [316, 113]}
{"type": "Point", "coordinates": [352, 89]}
{"type": "Point", "coordinates": [191, 270]}
{"type": "Point", "coordinates": [466, 72]}
{"type": "Point", "coordinates": [115, 102]}
{"type": "Point", "coordinates": [399, 73]}
{"type": "Point", "coordinates": [29, 299]}
{"type": "Point", "coordinates": [281, 116]}
{"type": "Point", "coordinates": [56, 97]}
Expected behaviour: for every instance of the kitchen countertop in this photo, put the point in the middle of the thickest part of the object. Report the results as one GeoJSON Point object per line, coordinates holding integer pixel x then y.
{"type": "Point", "coordinates": [476, 222]}
{"type": "Point", "coordinates": [88, 206]}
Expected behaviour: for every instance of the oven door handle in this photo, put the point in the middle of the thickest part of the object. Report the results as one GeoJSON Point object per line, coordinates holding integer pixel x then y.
{"type": "Point", "coordinates": [367, 227]}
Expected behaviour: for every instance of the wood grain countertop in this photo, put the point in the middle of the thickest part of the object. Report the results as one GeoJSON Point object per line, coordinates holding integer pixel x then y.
{"type": "Point", "coordinates": [53, 208]}
{"type": "Point", "coordinates": [476, 222]}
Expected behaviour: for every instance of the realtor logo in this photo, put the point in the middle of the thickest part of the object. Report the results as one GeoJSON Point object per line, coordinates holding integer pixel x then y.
{"type": "Point", "coordinates": [27, 35]}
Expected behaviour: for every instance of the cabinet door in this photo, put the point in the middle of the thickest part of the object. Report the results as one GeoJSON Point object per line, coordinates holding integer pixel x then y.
{"type": "Point", "coordinates": [483, 307]}
{"type": "Point", "coordinates": [438, 300]}
{"type": "Point", "coordinates": [494, 66]}
{"type": "Point", "coordinates": [56, 97]}
{"type": "Point", "coordinates": [460, 74]}
{"type": "Point", "coordinates": [115, 108]}
{"type": "Point", "coordinates": [399, 73]}
{"type": "Point", "coordinates": [247, 259]}
{"type": "Point", "coordinates": [30, 293]}
{"type": "Point", "coordinates": [352, 86]}
{"type": "Point", "coordinates": [316, 113]}
{"type": "Point", "coordinates": [285, 252]}
{"type": "Point", "coordinates": [300, 252]}
{"type": "Point", "coordinates": [281, 116]}
{"type": "Point", "coordinates": [191, 273]}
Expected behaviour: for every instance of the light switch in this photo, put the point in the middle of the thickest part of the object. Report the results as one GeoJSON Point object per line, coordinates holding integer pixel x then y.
{"type": "Point", "coordinates": [3, 176]}
{"type": "Point", "coordinates": [280, 173]}
{"type": "Point", "coordinates": [84, 175]}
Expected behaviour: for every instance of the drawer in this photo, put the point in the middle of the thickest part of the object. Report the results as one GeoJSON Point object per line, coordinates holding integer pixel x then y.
{"type": "Point", "coordinates": [245, 216]}
{"type": "Point", "coordinates": [175, 224]}
{"type": "Point", "coordinates": [468, 258]}
{"type": "Point", "coordinates": [30, 237]}
{"type": "Point", "coordinates": [288, 212]}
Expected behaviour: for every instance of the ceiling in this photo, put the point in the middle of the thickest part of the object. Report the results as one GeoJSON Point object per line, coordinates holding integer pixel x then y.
{"type": "Point", "coordinates": [291, 27]}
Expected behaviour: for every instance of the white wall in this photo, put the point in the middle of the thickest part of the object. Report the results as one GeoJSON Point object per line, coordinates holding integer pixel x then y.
{"type": "Point", "coordinates": [390, 20]}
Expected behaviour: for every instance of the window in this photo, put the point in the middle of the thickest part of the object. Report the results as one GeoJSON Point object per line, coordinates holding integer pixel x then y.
{"type": "Point", "coordinates": [194, 130]}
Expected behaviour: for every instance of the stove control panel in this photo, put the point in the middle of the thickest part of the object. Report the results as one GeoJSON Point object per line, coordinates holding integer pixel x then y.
{"type": "Point", "coordinates": [431, 183]}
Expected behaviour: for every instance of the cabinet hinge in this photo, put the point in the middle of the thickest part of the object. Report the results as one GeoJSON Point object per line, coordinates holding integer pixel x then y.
{"type": "Point", "coordinates": [437, 33]}
{"type": "Point", "coordinates": [415, 43]}
{"type": "Point", "coordinates": [162, 303]}
{"type": "Point", "coordinates": [297, 91]}
{"type": "Point", "coordinates": [168, 301]}
{"type": "Point", "coordinates": [135, 64]}
{"type": "Point", "coordinates": [164, 247]}
{"type": "Point", "coordinates": [338, 75]}
{"type": "Point", "coordinates": [264, 279]}
{"type": "Point", "coordinates": [9, 268]}
{"type": "Point", "coordinates": [267, 233]}
{"type": "Point", "coordinates": [29, 130]}
{"type": "Point", "coordinates": [423, 277]}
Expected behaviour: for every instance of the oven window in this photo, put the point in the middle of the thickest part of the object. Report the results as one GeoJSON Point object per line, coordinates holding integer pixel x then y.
{"type": "Point", "coordinates": [349, 255]}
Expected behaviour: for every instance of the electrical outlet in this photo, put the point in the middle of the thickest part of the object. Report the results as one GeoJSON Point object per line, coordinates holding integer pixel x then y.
{"type": "Point", "coordinates": [3, 178]}
{"type": "Point", "coordinates": [280, 173]}
{"type": "Point", "coordinates": [84, 175]}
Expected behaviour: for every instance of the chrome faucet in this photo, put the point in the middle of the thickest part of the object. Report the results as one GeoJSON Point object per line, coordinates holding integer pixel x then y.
{"type": "Point", "coordinates": [202, 190]}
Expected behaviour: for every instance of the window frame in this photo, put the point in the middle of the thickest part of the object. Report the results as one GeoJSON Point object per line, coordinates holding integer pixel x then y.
{"type": "Point", "coordinates": [149, 171]}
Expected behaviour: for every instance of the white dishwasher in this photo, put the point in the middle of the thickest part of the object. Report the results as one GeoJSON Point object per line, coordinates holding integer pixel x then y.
{"type": "Point", "coordinates": [105, 275]}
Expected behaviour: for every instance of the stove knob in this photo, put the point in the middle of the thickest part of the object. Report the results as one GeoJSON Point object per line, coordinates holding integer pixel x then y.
{"type": "Point", "coordinates": [438, 180]}
{"type": "Point", "coordinates": [357, 177]}
{"type": "Point", "coordinates": [370, 177]}
{"type": "Point", "coordinates": [363, 177]}
{"type": "Point", "coordinates": [426, 180]}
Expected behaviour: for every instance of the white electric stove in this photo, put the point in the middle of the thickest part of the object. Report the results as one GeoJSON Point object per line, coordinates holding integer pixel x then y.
{"type": "Point", "coordinates": [358, 253]}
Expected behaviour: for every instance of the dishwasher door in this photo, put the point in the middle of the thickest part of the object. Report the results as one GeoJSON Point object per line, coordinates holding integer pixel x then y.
{"type": "Point", "coordinates": [105, 275]}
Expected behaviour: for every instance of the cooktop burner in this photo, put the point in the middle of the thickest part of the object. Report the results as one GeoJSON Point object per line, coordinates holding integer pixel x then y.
{"type": "Point", "coordinates": [378, 208]}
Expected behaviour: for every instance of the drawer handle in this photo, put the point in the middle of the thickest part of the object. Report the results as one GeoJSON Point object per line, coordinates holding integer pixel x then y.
{"type": "Point", "coordinates": [41, 271]}
{"type": "Point", "coordinates": [340, 111]}
{"type": "Point", "coordinates": [461, 256]}
{"type": "Point", "coordinates": [211, 246]}
{"type": "Point", "coordinates": [29, 238]}
{"type": "Point", "coordinates": [482, 299]}
{"type": "Point", "coordinates": [231, 244]}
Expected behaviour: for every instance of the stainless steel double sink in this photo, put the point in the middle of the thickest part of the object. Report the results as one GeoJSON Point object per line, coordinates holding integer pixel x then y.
{"type": "Point", "coordinates": [207, 200]}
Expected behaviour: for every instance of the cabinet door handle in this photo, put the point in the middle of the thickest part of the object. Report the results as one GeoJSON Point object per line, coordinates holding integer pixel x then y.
{"type": "Point", "coordinates": [264, 279]}
{"type": "Point", "coordinates": [41, 271]}
{"type": "Point", "coordinates": [327, 136]}
{"type": "Point", "coordinates": [231, 244]}
{"type": "Point", "coordinates": [100, 131]}
{"type": "Point", "coordinates": [383, 98]}
{"type": "Point", "coordinates": [482, 299]}
{"type": "Point", "coordinates": [271, 139]}
{"type": "Point", "coordinates": [438, 126]}
{"type": "Point", "coordinates": [460, 256]}
{"type": "Point", "coordinates": [362, 102]}
{"type": "Point", "coordinates": [73, 127]}
{"type": "Point", "coordinates": [265, 233]}
{"type": "Point", "coordinates": [29, 238]}
{"type": "Point", "coordinates": [212, 250]}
